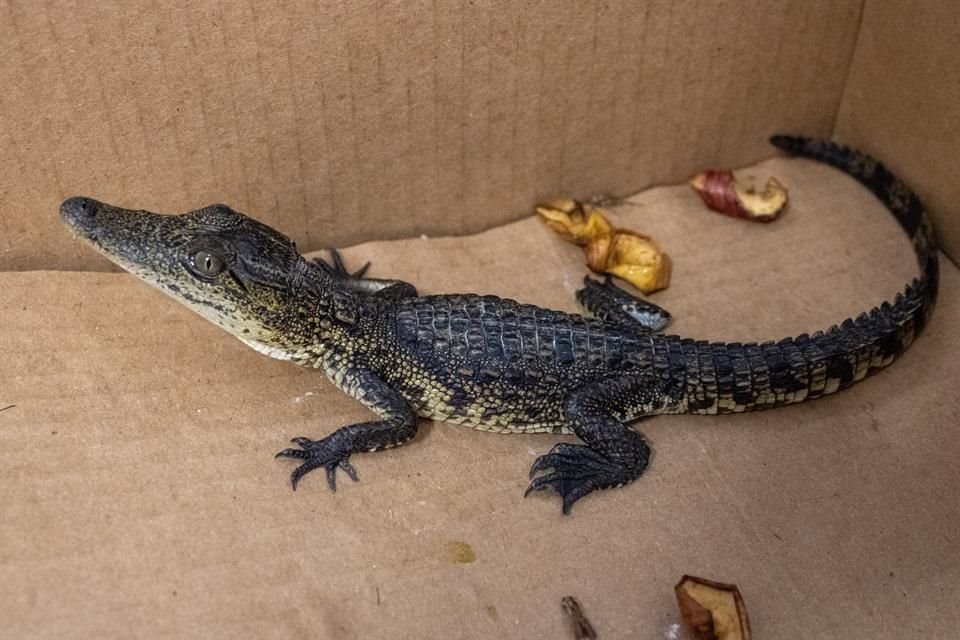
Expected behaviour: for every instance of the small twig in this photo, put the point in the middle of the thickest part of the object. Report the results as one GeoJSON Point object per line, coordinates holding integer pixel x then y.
{"type": "Point", "coordinates": [605, 200]}
{"type": "Point", "coordinates": [582, 629]}
{"type": "Point", "coordinates": [8, 407]}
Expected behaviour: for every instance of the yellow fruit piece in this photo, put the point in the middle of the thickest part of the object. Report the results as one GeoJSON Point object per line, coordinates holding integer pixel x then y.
{"type": "Point", "coordinates": [629, 255]}
{"type": "Point", "coordinates": [574, 222]}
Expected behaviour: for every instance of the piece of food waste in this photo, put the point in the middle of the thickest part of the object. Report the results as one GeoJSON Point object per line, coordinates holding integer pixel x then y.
{"type": "Point", "coordinates": [582, 629]}
{"type": "Point", "coordinates": [712, 610]}
{"type": "Point", "coordinates": [723, 193]}
{"type": "Point", "coordinates": [629, 255]}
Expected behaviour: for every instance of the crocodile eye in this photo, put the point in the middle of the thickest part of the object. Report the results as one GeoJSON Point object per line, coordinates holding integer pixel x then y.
{"type": "Point", "coordinates": [207, 264]}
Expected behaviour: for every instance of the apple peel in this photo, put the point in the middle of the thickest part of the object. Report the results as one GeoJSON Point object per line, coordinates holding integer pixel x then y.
{"type": "Point", "coordinates": [723, 193]}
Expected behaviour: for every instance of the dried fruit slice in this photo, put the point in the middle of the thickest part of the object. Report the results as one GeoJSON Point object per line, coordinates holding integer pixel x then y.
{"type": "Point", "coordinates": [574, 221]}
{"type": "Point", "coordinates": [629, 255]}
{"type": "Point", "coordinates": [632, 256]}
{"type": "Point", "coordinates": [712, 610]}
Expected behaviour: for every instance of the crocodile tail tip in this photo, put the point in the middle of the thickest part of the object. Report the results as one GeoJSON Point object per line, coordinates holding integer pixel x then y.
{"type": "Point", "coordinates": [790, 144]}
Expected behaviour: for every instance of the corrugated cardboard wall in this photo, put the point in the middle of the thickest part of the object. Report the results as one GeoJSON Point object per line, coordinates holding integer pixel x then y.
{"type": "Point", "coordinates": [346, 121]}
{"type": "Point", "coordinates": [902, 101]}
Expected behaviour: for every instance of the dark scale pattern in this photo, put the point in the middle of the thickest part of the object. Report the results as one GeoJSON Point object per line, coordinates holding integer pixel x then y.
{"type": "Point", "coordinates": [509, 365]}
{"type": "Point", "coordinates": [496, 364]}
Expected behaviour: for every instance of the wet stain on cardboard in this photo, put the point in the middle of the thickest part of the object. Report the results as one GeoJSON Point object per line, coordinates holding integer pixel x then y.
{"type": "Point", "coordinates": [460, 552]}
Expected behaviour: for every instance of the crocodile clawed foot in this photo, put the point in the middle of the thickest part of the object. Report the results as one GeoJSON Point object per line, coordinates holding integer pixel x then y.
{"type": "Point", "coordinates": [576, 471]}
{"type": "Point", "coordinates": [337, 267]}
{"type": "Point", "coordinates": [607, 301]}
{"type": "Point", "coordinates": [319, 453]}
{"type": "Point", "coordinates": [341, 268]}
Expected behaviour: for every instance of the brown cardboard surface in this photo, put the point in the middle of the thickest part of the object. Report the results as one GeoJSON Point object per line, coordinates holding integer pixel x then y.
{"type": "Point", "coordinates": [344, 122]}
{"type": "Point", "coordinates": [139, 498]}
{"type": "Point", "coordinates": [902, 102]}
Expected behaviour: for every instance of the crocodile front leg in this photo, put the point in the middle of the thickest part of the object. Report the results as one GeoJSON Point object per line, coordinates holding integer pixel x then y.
{"type": "Point", "coordinates": [397, 426]}
{"type": "Point", "coordinates": [614, 454]}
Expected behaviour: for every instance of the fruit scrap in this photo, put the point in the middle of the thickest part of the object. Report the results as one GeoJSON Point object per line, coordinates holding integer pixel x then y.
{"type": "Point", "coordinates": [721, 192]}
{"type": "Point", "coordinates": [712, 610]}
{"type": "Point", "coordinates": [629, 255]}
{"type": "Point", "coordinates": [574, 221]}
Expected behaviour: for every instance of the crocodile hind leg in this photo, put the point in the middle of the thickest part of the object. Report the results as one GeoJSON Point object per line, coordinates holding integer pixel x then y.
{"type": "Point", "coordinates": [397, 425]}
{"type": "Point", "coordinates": [613, 454]}
{"type": "Point", "coordinates": [606, 301]}
{"type": "Point", "coordinates": [337, 267]}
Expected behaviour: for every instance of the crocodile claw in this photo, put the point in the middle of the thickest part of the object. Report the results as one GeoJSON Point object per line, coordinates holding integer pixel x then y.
{"type": "Point", "coordinates": [316, 454]}
{"type": "Point", "coordinates": [576, 471]}
{"type": "Point", "coordinates": [341, 268]}
{"type": "Point", "coordinates": [337, 268]}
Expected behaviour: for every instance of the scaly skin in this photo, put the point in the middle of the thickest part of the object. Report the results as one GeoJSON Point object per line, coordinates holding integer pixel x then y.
{"type": "Point", "coordinates": [492, 363]}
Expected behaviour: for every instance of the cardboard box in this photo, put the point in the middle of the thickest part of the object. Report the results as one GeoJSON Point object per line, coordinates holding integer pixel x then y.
{"type": "Point", "coordinates": [138, 494]}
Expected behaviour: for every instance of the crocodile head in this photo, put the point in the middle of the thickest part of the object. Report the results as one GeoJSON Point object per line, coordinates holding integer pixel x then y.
{"type": "Point", "coordinates": [229, 268]}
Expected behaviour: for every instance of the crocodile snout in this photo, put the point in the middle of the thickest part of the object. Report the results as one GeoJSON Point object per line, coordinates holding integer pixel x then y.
{"type": "Point", "coordinates": [79, 212]}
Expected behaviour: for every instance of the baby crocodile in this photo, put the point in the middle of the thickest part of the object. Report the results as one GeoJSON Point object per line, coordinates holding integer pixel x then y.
{"type": "Point", "coordinates": [493, 363]}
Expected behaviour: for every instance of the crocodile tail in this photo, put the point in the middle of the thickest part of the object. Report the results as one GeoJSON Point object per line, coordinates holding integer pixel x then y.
{"type": "Point", "coordinates": [902, 202]}
{"type": "Point", "coordinates": [733, 377]}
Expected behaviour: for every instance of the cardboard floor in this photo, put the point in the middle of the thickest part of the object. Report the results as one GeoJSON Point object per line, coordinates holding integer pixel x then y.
{"type": "Point", "coordinates": [139, 496]}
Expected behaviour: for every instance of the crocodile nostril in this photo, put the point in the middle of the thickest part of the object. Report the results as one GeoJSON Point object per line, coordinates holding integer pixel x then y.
{"type": "Point", "coordinates": [79, 208]}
